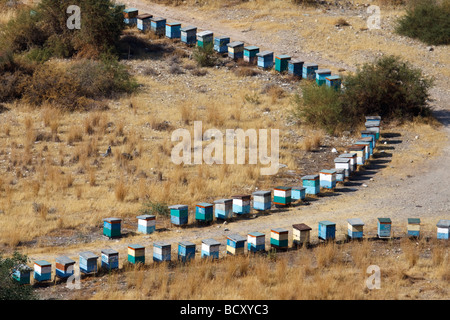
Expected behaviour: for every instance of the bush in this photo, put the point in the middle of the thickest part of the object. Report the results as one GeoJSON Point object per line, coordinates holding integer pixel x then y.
{"type": "Point", "coordinates": [155, 208]}
{"type": "Point", "coordinates": [428, 21]}
{"type": "Point", "coordinates": [205, 56]}
{"type": "Point", "coordinates": [9, 288]}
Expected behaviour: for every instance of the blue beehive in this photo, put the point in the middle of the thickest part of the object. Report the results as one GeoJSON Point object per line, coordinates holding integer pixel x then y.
{"type": "Point", "coordinates": [130, 16]}
{"type": "Point", "coordinates": [220, 44]}
{"type": "Point", "coordinates": [256, 242]}
{"type": "Point", "coordinates": [223, 208]}
{"type": "Point", "coordinates": [236, 50]}
{"type": "Point", "coordinates": [235, 244]}
{"type": "Point", "coordinates": [204, 212]}
{"type": "Point", "coordinates": [22, 274]}
{"type": "Point", "coordinates": [112, 227]}
{"type": "Point", "coordinates": [161, 251]}
{"type": "Point", "coordinates": [369, 141]}
{"type": "Point", "coordinates": [309, 71]}
{"type": "Point", "coordinates": [262, 200]}
{"type": "Point", "coordinates": [340, 175]}
{"type": "Point", "coordinates": [241, 204]}
{"type": "Point", "coordinates": [64, 267]}
{"type": "Point", "coordinates": [205, 39]}
{"type": "Point", "coordinates": [355, 228]}
{"type": "Point", "coordinates": [384, 228]}
{"type": "Point", "coordinates": [281, 62]}
{"type": "Point", "coordinates": [311, 183]}
{"type": "Point", "coordinates": [173, 30]}
{"type": "Point", "coordinates": [136, 254]}
{"type": "Point", "coordinates": [158, 25]}
{"type": "Point", "coordinates": [334, 82]}
{"type": "Point", "coordinates": [414, 227]}
{"type": "Point", "coordinates": [298, 193]}
{"type": "Point", "coordinates": [282, 196]}
{"type": "Point", "coordinates": [265, 59]}
{"type": "Point", "coordinates": [443, 229]}
{"type": "Point", "coordinates": [250, 53]}
{"type": "Point", "coordinates": [210, 248]}
{"type": "Point", "coordinates": [327, 230]}
{"type": "Point", "coordinates": [144, 22]}
{"type": "Point", "coordinates": [321, 75]}
{"type": "Point", "coordinates": [147, 223]}
{"type": "Point", "coordinates": [110, 259]}
{"type": "Point", "coordinates": [179, 214]}
{"type": "Point", "coordinates": [186, 251]}
{"type": "Point", "coordinates": [189, 35]}
{"type": "Point", "coordinates": [327, 179]}
{"type": "Point", "coordinates": [42, 270]}
{"type": "Point", "coordinates": [370, 134]}
{"type": "Point", "coordinates": [295, 68]}
{"type": "Point", "coordinates": [88, 262]}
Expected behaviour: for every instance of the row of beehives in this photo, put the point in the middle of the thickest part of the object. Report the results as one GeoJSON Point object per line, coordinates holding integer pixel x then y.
{"type": "Point", "coordinates": [235, 245]}
{"type": "Point", "coordinates": [235, 49]}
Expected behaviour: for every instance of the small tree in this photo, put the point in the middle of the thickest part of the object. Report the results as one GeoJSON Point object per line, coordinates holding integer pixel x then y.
{"type": "Point", "coordinates": [205, 56]}
{"type": "Point", "coordinates": [9, 288]}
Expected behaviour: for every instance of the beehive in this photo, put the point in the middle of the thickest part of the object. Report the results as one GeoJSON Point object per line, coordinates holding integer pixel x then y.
{"type": "Point", "coordinates": [340, 175]}
{"type": "Point", "coordinates": [112, 227]}
{"type": "Point", "coordinates": [279, 238]}
{"type": "Point", "coordinates": [282, 195]}
{"type": "Point", "coordinates": [235, 244]}
{"type": "Point", "coordinates": [300, 234]}
{"type": "Point", "coordinates": [295, 68]}
{"type": "Point", "coordinates": [298, 193]}
{"type": "Point", "coordinates": [186, 251]}
{"type": "Point", "coordinates": [22, 274]}
{"type": "Point", "coordinates": [42, 270]}
{"type": "Point", "coordinates": [236, 50]}
{"type": "Point", "coordinates": [189, 35]}
{"type": "Point", "coordinates": [130, 16]}
{"type": "Point", "coordinates": [311, 183]}
{"type": "Point", "coordinates": [144, 21]}
{"type": "Point", "coordinates": [179, 214]}
{"type": "Point", "coordinates": [366, 145]}
{"type": "Point", "coordinates": [309, 71]}
{"type": "Point", "coordinates": [352, 157]}
{"type": "Point", "coordinates": [146, 223]}
{"type": "Point", "coordinates": [355, 228]}
{"type": "Point", "coordinates": [161, 251]}
{"type": "Point", "coordinates": [370, 134]}
{"type": "Point", "coordinates": [262, 200]}
{"type": "Point", "coordinates": [443, 228]}
{"type": "Point", "coordinates": [413, 227]}
{"type": "Point", "coordinates": [241, 204]}
{"type": "Point", "coordinates": [373, 118]}
{"type": "Point", "coordinates": [204, 212]}
{"type": "Point", "coordinates": [327, 178]}
{"type": "Point", "coordinates": [220, 44]}
{"type": "Point", "coordinates": [250, 53]}
{"type": "Point", "coordinates": [265, 59]}
{"type": "Point", "coordinates": [256, 242]}
{"type": "Point", "coordinates": [360, 153]}
{"type": "Point", "coordinates": [136, 254]}
{"type": "Point", "coordinates": [373, 127]}
{"type": "Point", "coordinates": [334, 82]}
{"type": "Point", "coordinates": [321, 75]}
{"type": "Point", "coordinates": [205, 38]}
{"type": "Point", "coordinates": [223, 208]}
{"type": "Point", "coordinates": [64, 267]}
{"type": "Point", "coordinates": [368, 140]}
{"type": "Point", "coordinates": [341, 163]}
{"type": "Point", "coordinates": [384, 228]}
{"type": "Point", "coordinates": [210, 248]}
{"type": "Point", "coordinates": [158, 25]}
{"type": "Point", "coordinates": [110, 259]}
{"type": "Point", "coordinates": [327, 230]}
{"type": "Point", "coordinates": [173, 30]}
{"type": "Point", "coordinates": [88, 262]}
{"type": "Point", "coordinates": [281, 62]}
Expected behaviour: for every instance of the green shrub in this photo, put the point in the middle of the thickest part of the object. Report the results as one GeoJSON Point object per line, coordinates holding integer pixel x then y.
{"type": "Point", "coordinates": [428, 21]}
{"type": "Point", "coordinates": [9, 288]}
{"type": "Point", "coordinates": [155, 208]}
{"type": "Point", "coordinates": [205, 56]}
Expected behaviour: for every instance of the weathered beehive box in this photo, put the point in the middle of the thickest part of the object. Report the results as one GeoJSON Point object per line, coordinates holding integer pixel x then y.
{"type": "Point", "coordinates": [309, 71]}
{"type": "Point", "coordinates": [370, 134]}
{"type": "Point", "coordinates": [189, 35]}
{"type": "Point", "coordinates": [301, 234]}
{"type": "Point", "coordinates": [130, 16]}
{"type": "Point", "coordinates": [366, 145]}
{"type": "Point", "coordinates": [88, 262]}
{"type": "Point", "coordinates": [220, 44]}
{"type": "Point", "coordinates": [22, 274]}
{"type": "Point", "coordinates": [146, 223]}
{"type": "Point", "coordinates": [210, 248]}
{"type": "Point", "coordinates": [179, 214]}
{"type": "Point", "coordinates": [355, 228]}
{"type": "Point", "coordinates": [384, 228]}
{"type": "Point", "coordinates": [352, 157]}
{"type": "Point", "coordinates": [236, 50]}
{"type": "Point", "coordinates": [42, 270]}
{"type": "Point", "coordinates": [265, 59]}
{"type": "Point", "coordinates": [366, 140]}
{"type": "Point", "coordinates": [321, 75]}
{"type": "Point", "coordinates": [340, 175]}
{"type": "Point", "coordinates": [136, 254]}
{"type": "Point", "coordinates": [110, 259]}
{"type": "Point", "coordinates": [360, 153]}
{"type": "Point", "coordinates": [173, 30]}
{"type": "Point", "coordinates": [161, 251]}
{"type": "Point", "coordinates": [282, 195]}
{"type": "Point", "coordinates": [204, 212]}
{"type": "Point", "coordinates": [298, 193]}
{"type": "Point", "coordinates": [65, 267]}
{"type": "Point", "coordinates": [344, 164]}
{"type": "Point", "coordinates": [279, 238]}
{"type": "Point", "coordinates": [281, 62]}
{"type": "Point", "coordinates": [112, 227]}
{"type": "Point", "coordinates": [327, 178]}
{"type": "Point", "coordinates": [256, 242]}
{"type": "Point", "coordinates": [262, 200]}
{"type": "Point", "coordinates": [334, 82]}
{"type": "Point", "coordinates": [158, 25]}
{"type": "Point", "coordinates": [413, 227]}
{"type": "Point", "coordinates": [250, 54]}
{"type": "Point", "coordinates": [186, 251]}
{"type": "Point", "coordinates": [235, 244]}
{"type": "Point", "coordinates": [144, 21]}
{"type": "Point", "coordinates": [205, 38]}
{"type": "Point", "coordinates": [241, 204]}
{"type": "Point", "coordinates": [311, 183]}
{"type": "Point", "coordinates": [295, 68]}
{"type": "Point", "coordinates": [327, 230]}
{"type": "Point", "coordinates": [223, 208]}
{"type": "Point", "coordinates": [443, 229]}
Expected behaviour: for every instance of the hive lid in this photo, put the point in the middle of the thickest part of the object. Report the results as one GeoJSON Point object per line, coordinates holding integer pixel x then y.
{"type": "Point", "coordinates": [144, 16]}
{"type": "Point", "coordinates": [295, 61]}
{"type": "Point", "coordinates": [298, 188]}
{"type": "Point", "coordinates": [367, 132]}
{"type": "Point", "coordinates": [187, 244]}
{"type": "Point", "coordinates": [130, 10]}
{"type": "Point", "coordinates": [370, 124]}
{"type": "Point", "coordinates": [341, 160]}
{"type": "Point", "coordinates": [282, 56]}
{"type": "Point", "coordinates": [309, 65]}
{"type": "Point", "coordinates": [223, 200]}
{"type": "Point", "coordinates": [211, 242]}
{"type": "Point", "coordinates": [323, 71]}
{"type": "Point", "coordinates": [146, 217]}
{"type": "Point", "coordinates": [204, 33]}
{"type": "Point", "coordinates": [64, 260]}
{"type": "Point", "coordinates": [158, 19]}
{"type": "Point", "coordinates": [413, 220]}
{"type": "Point", "coordinates": [384, 220]}
{"type": "Point", "coordinates": [264, 53]}
{"type": "Point", "coordinates": [262, 193]}
{"type": "Point", "coordinates": [256, 234]}
{"type": "Point", "coordinates": [373, 118]}
{"type": "Point", "coordinates": [189, 28]}
{"type": "Point", "coordinates": [204, 204]}
{"type": "Point", "coordinates": [279, 230]}
{"type": "Point", "coordinates": [42, 263]}
{"type": "Point", "coordinates": [178, 207]}
{"type": "Point", "coordinates": [355, 222]}
{"type": "Point", "coordinates": [347, 155]}
{"type": "Point", "coordinates": [311, 177]}
{"type": "Point", "coordinates": [136, 246]}
{"type": "Point", "coordinates": [443, 223]}
{"type": "Point", "coordinates": [235, 44]}
{"type": "Point", "coordinates": [241, 196]}
{"type": "Point", "coordinates": [283, 188]}
{"type": "Point", "coordinates": [88, 255]}
{"type": "Point", "coordinates": [328, 171]}
{"type": "Point", "coordinates": [112, 220]}
{"type": "Point", "coordinates": [173, 24]}
{"type": "Point", "coordinates": [301, 227]}
{"type": "Point", "coordinates": [161, 244]}
{"type": "Point", "coordinates": [367, 139]}
{"type": "Point", "coordinates": [333, 77]}
{"type": "Point", "coordinates": [327, 223]}
{"type": "Point", "coordinates": [340, 170]}
{"type": "Point", "coordinates": [236, 237]}
{"type": "Point", "coordinates": [222, 37]}
{"type": "Point", "coordinates": [109, 251]}
{"type": "Point", "coordinates": [355, 147]}
{"type": "Point", "coordinates": [251, 48]}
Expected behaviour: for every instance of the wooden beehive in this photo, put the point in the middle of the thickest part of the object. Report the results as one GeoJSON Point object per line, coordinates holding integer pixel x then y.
{"type": "Point", "coordinates": [256, 242]}
{"type": "Point", "coordinates": [295, 68]}
{"type": "Point", "coordinates": [340, 175]}
{"type": "Point", "coordinates": [384, 228]}
{"type": "Point", "coordinates": [235, 244]}
{"type": "Point", "coordinates": [220, 44]}
{"type": "Point", "coordinates": [158, 25]}
{"type": "Point", "coordinates": [298, 193]}
{"type": "Point", "coordinates": [223, 209]}
{"type": "Point", "coordinates": [265, 59]}
{"type": "Point", "coordinates": [179, 214]}
{"type": "Point", "coordinates": [301, 234]}
{"type": "Point", "coordinates": [144, 22]}
{"type": "Point", "coordinates": [279, 238]}
{"type": "Point", "coordinates": [146, 223]}
{"type": "Point", "coordinates": [64, 267]}
{"type": "Point", "coordinates": [309, 71]}
{"type": "Point", "coordinates": [370, 134]}
{"type": "Point", "coordinates": [241, 204]}
{"type": "Point", "coordinates": [281, 62]}
{"type": "Point", "coordinates": [327, 230]}
{"type": "Point", "coordinates": [210, 248]}
{"type": "Point", "coordinates": [236, 50]}
{"type": "Point", "coordinates": [205, 39]}
{"type": "Point", "coordinates": [360, 151]}
{"type": "Point", "coordinates": [321, 75]}
{"type": "Point", "coordinates": [355, 228]}
{"type": "Point", "coordinates": [189, 35]}
{"type": "Point", "coordinates": [370, 126]}
{"type": "Point", "coordinates": [367, 141]}
{"type": "Point", "coordinates": [311, 183]}
{"type": "Point", "coordinates": [344, 164]}
{"type": "Point", "coordinates": [186, 251]}
{"type": "Point", "coordinates": [443, 229]}
{"type": "Point", "coordinates": [42, 271]}
{"type": "Point", "coordinates": [130, 16]}
{"type": "Point", "coordinates": [204, 212]}
{"type": "Point", "coordinates": [413, 227]}
{"type": "Point", "coordinates": [173, 30]}
{"type": "Point", "coordinates": [110, 259]}
{"type": "Point", "coordinates": [112, 227]}
{"type": "Point", "coordinates": [282, 195]}
{"type": "Point", "coordinates": [250, 54]}
{"type": "Point", "coordinates": [262, 200]}
{"type": "Point", "coordinates": [22, 274]}
{"type": "Point", "coordinates": [334, 82]}
{"type": "Point", "coordinates": [366, 145]}
{"type": "Point", "coordinates": [161, 251]}
{"type": "Point", "coordinates": [136, 254]}
{"type": "Point", "coordinates": [352, 157]}
{"type": "Point", "coordinates": [327, 178]}
{"type": "Point", "coordinates": [88, 262]}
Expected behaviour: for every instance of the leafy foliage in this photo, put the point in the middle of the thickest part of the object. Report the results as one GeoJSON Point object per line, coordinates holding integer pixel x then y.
{"type": "Point", "coordinates": [155, 208]}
